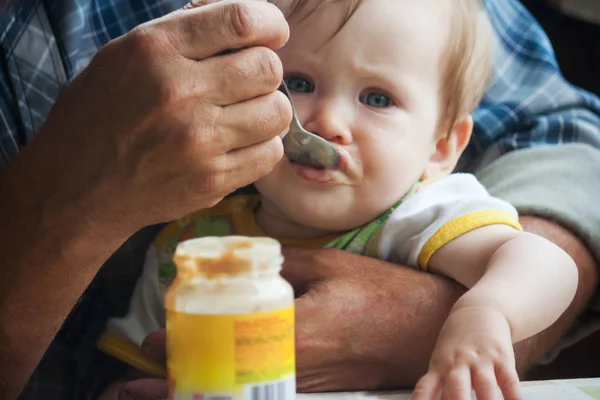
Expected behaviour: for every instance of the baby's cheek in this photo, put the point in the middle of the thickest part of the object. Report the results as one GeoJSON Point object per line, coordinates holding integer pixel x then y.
{"type": "Point", "coordinates": [392, 178]}
{"type": "Point", "coordinates": [267, 185]}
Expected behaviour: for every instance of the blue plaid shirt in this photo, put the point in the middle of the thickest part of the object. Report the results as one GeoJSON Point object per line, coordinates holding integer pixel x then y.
{"type": "Point", "coordinates": [45, 43]}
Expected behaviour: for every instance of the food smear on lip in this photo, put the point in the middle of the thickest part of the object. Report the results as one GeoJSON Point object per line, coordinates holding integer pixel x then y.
{"type": "Point", "coordinates": [349, 172]}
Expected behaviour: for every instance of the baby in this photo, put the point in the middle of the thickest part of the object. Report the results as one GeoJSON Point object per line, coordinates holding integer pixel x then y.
{"type": "Point", "coordinates": [392, 84]}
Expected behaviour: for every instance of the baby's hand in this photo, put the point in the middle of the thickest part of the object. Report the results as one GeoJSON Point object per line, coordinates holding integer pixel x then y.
{"type": "Point", "coordinates": [474, 352]}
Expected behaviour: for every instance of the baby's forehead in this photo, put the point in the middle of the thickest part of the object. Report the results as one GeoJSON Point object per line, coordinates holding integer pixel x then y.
{"type": "Point", "coordinates": [337, 14]}
{"type": "Point", "coordinates": [300, 9]}
{"type": "Point", "coordinates": [375, 23]}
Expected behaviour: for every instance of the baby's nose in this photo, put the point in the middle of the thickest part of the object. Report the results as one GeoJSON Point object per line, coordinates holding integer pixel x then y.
{"type": "Point", "coordinates": [330, 126]}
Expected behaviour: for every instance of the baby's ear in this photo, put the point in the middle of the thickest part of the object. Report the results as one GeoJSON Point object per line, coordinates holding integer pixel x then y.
{"type": "Point", "coordinates": [448, 149]}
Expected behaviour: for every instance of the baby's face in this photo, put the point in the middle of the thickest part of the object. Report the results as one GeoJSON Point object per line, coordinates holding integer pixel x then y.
{"type": "Point", "coordinates": [373, 90]}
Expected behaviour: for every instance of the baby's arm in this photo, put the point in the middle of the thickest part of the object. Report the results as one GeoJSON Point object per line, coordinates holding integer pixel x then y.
{"type": "Point", "coordinates": [519, 285]}
{"type": "Point", "coordinates": [526, 278]}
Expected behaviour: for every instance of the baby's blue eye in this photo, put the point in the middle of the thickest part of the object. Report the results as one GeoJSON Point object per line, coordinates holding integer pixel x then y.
{"type": "Point", "coordinates": [299, 84]}
{"type": "Point", "coordinates": [375, 99]}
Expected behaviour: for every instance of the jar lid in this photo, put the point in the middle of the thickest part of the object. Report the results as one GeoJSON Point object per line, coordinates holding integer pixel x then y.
{"type": "Point", "coordinates": [211, 257]}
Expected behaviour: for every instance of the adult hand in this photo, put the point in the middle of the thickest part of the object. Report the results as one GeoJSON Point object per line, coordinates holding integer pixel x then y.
{"type": "Point", "coordinates": [158, 126]}
{"type": "Point", "coordinates": [362, 323]}
{"type": "Point", "coordinates": [146, 388]}
{"type": "Point", "coordinates": [154, 128]}
{"type": "Point", "coordinates": [150, 388]}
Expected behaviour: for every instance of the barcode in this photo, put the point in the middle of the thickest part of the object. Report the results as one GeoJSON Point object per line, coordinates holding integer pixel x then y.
{"type": "Point", "coordinates": [278, 390]}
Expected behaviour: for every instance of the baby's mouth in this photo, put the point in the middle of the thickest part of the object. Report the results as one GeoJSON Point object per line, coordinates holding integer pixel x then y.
{"type": "Point", "coordinates": [349, 171]}
{"type": "Point", "coordinates": [350, 167]}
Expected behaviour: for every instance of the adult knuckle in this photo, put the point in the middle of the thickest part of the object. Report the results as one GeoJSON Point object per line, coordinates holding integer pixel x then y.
{"type": "Point", "coordinates": [273, 117]}
{"type": "Point", "coordinates": [272, 154]}
{"type": "Point", "coordinates": [187, 153]}
{"type": "Point", "coordinates": [264, 122]}
{"type": "Point", "coordinates": [144, 42]}
{"type": "Point", "coordinates": [209, 126]}
{"type": "Point", "coordinates": [276, 150]}
{"type": "Point", "coordinates": [209, 180]}
{"type": "Point", "coordinates": [270, 67]}
{"type": "Point", "coordinates": [187, 141]}
{"type": "Point", "coordinates": [172, 39]}
{"type": "Point", "coordinates": [241, 19]}
{"type": "Point", "coordinates": [283, 109]}
{"type": "Point", "coordinates": [256, 64]}
{"type": "Point", "coordinates": [236, 71]}
{"type": "Point", "coordinates": [200, 138]}
{"type": "Point", "coordinates": [193, 146]}
{"type": "Point", "coordinates": [168, 91]}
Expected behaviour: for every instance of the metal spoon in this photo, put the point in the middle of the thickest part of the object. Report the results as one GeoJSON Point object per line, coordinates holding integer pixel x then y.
{"type": "Point", "coordinates": [306, 148]}
{"type": "Point", "coordinates": [301, 146]}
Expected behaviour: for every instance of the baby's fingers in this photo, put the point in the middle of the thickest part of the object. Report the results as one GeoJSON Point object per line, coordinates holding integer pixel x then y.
{"type": "Point", "coordinates": [484, 382]}
{"type": "Point", "coordinates": [458, 384]}
{"type": "Point", "coordinates": [428, 387]}
{"type": "Point", "coordinates": [508, 380]}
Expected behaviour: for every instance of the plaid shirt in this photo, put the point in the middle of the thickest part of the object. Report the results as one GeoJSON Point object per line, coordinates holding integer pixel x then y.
{"type": "Point", "coordinates": [45, 43]}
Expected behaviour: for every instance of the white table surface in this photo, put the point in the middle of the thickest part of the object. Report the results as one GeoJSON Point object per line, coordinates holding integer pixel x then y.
{"type": "Point", "coordinates": [575, 389]}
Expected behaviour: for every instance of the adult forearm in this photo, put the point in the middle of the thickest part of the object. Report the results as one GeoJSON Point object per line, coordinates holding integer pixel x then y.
{"type": "Point", "coordinates": [51, 249]}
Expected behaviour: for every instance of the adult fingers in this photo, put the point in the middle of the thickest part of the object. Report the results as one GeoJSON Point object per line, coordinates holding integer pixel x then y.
{"type": "Point", "coordinates": [144, 389]}
{"type": "Point", "coordinates": [254, 121]}
{"type": "Point", "coordinates": [154, 345]}
{"type": "Point", "coordinates": [201, 32]}
{"type": "Point", "coordinates": [247, 165]}
{"type": "Point", "coordinates": [201, 3]}
{"type": "Point", "coordinates": [226, 131]}
{"type": "Point", "coordinates": [238, 76]}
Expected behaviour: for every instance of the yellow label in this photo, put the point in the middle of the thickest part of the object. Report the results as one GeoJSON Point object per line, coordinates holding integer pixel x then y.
{"type": "Point", "coordinates": [222, 353]}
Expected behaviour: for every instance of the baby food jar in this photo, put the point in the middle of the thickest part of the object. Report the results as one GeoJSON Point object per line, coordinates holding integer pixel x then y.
{"type": "Point", "coordinates": [230, 322]}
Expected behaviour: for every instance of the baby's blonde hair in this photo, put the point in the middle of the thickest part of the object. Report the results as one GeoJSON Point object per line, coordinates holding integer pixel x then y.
{"type": "Point", "coordinates": [468, 58]}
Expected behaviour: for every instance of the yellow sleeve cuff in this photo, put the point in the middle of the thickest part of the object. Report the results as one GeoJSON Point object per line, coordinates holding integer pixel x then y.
{"type": "Point", "coordinates": [461, 225]}
{"type": "Point", "coordinates": [129, 353]}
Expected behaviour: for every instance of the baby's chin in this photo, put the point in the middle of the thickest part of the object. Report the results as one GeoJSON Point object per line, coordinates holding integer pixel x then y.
{"type": "Point", "coordinates": [340, 218]}
{"type": "Point", "coordinates": [337, 208]}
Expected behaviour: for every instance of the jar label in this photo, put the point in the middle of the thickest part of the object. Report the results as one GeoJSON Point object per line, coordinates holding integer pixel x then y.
{"type": "Point", "coordinates": [231, 357]}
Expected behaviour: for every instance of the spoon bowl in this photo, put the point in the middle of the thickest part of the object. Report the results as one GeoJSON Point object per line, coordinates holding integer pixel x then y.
{"type": "Point", "coordinates": [304, 147]}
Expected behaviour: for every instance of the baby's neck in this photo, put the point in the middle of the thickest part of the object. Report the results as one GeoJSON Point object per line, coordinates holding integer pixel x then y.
{"type": "Point", "coordinates": [274, 223]}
